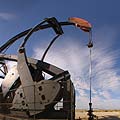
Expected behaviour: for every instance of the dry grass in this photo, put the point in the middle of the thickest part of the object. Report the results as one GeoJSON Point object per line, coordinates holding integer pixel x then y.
{"type": "Point", "coordinates": [101, 114]}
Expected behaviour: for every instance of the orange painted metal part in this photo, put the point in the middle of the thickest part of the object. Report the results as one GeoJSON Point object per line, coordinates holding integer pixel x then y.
{"type": "Point", "coordinates": [81, 23]}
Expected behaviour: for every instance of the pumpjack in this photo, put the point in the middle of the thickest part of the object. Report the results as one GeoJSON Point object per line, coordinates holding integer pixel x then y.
{"type": "Point", "coordinates": [24, 88]}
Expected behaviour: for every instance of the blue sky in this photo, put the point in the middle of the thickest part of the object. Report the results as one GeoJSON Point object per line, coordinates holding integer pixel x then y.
{"type": "Point", "coordinates": [70, 51]}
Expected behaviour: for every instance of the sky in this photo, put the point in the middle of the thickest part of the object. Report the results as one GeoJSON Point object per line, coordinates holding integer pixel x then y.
{"type": "Point", "coordinates": [70, 51]}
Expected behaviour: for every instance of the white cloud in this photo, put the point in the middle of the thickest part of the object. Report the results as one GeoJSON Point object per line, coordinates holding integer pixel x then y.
{"type": "Point", "coordinates": [6, 16]}
{"type": "Point", "coordinates": [10, 64]}
{"type": "Point", "coordinates": [105, 94]}
{"type": "Point", "coordinates": [75, 58]}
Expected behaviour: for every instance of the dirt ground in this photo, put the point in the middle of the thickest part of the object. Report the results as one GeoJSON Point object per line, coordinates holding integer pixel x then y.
{"type": "Point", "coordinates": [81, 115]}
{"type": "Point", "coordinates": [100, 114]}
